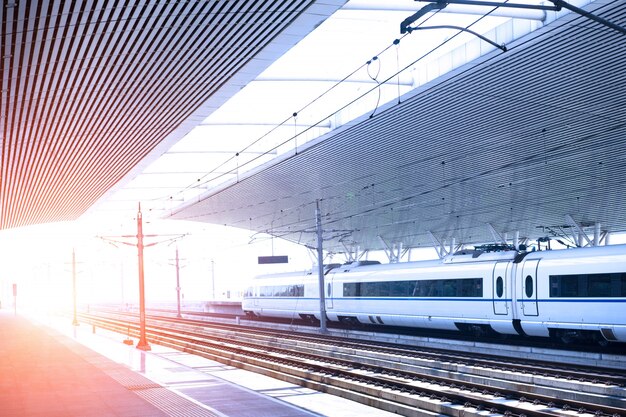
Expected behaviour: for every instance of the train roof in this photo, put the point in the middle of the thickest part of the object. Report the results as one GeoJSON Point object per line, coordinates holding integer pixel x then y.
{"type": "Point", "coordinates": [608, 250]}
{"type": "Point", "coordinates": [464, 256]}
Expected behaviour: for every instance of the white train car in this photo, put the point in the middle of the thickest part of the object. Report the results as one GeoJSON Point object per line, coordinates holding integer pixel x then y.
{"type": "Point", "coordinates": [441, 295]}
{"type": "Point", "coordinates": [568, 294]}
{"type": "Point", "coordinates": [574, 293]}
{"type": "Point", "coordinates": [290, 295]}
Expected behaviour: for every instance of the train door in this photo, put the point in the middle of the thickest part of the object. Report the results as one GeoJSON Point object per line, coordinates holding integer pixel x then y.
{"type": "Point", "coordinates": [529, 288]}
{"type": "Point", "coordinates": [329, 291]}
{"type": "Point", "coordinates": [500, 283]}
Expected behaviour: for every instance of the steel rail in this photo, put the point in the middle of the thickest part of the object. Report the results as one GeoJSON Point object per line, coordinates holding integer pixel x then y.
{"type": "Point", "coordinates": [590, 374]}
{"type": "Point", "coordinates": [377, 375]}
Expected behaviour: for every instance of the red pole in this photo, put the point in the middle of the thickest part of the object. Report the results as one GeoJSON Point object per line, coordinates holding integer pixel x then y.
{"type": "Point", "coordinates": [177, 284]}
{"type": "Point", "coordinates": [75, 321]}
{"type": "Point", "coordinates": [143, 343]}
{"type": "Point", "coordinates": [15, 299]}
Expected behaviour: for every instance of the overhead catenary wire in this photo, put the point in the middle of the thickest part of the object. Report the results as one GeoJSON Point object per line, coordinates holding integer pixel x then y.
{"type": "Point", "coordinates": [199, 183]}
{"type": "Point", "coordinates": [286, 120]}
{"type": "Point", "coordinates": [375, 79]}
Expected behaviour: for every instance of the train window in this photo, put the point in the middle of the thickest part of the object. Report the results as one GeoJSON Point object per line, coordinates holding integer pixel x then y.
{"type": "Point", "coordinates": [381, 289]}
{"type": "Point", "coordinates": [528, 284]}
{"type": "Point", "coordinates": [461, 287]}
{"type": "Point", "coordinates": [282, 291]}
{"type": "Point", "coordinates": [588, 285]}
{"type": "Point", "coordinates": [564, 285]}
{"type": "Point", "coordinates": [375, 289]}
{"type": "Point", "coordinates": [328, 288]}
{"type": "Point", "coordinates": [366, 289]}
{"type": "Point", "coordinates": [401, 288]}
{"type": "Point", "coordinates": [449, 287]}
{"type": "Point", "coordinates": [469, 287]}
{"type": "Point", "coordinates": [352, 289]}
{"type": "Point", "coordinates": [599, 285]}
{"type": "Point", "coordinates": [499, 287]}
{"type": "Point", "coordinates": [427, 288]}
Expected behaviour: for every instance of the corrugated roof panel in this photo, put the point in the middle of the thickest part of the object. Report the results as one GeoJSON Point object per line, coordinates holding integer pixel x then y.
{"type": "Point", "coordinates": [90, 89]}
{"type": "Point", "coordinates": [517, 140]}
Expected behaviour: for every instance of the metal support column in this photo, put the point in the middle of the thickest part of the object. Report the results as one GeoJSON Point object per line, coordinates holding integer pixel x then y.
{"type": "Point", "coordinates": [320, 266]}
{"type": "Point", "coordinates": [353, 253]}
{"type": "Point", "coordinates": [438, 245]}
{"type": "Point", "coordinates": [75, 321]}
{"type": "Point", "coordinates": [596, 234]}
{"type": "Point", "coordinates": [143, 343]}
{"type": "Point", "coordinates": [497, 237]}
{"type": "Point", "coordinates": [212, 279]}
{"type": "Point", "coordinates": [394, 252]}
{"type": "Point", "coordinates": [177, 285]}
{"type": "Point", "coordinates": [581, 239]}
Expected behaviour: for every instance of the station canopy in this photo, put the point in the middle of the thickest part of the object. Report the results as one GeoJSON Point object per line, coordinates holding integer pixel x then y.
{"type": "Point", "coordinates": [464, 123]}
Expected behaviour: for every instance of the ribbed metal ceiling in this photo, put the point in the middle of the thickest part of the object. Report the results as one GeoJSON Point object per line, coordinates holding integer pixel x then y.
{"type": "Point", "coordinates": [518, 140]}
{"type": "Point", "coordinates": [90, 88]}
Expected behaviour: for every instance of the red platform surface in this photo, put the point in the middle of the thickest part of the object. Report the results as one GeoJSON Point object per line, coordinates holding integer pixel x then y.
{"type": "Point", "coordinates": [43, 373]}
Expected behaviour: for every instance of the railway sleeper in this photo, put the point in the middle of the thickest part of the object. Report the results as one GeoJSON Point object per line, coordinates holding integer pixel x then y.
{"type": "Point", "coordinates": [369, 392]}
{"type": "Point", "coordinates": [405, 402]}
{"type": "Point", "coordinates": [386, 389]}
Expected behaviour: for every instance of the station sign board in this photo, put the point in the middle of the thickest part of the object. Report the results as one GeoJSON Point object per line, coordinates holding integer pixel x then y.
{"type": "Point", "coordinates": [273, 259]}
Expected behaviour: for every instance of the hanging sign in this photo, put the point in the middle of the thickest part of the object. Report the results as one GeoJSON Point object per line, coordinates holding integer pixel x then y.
{"type": "Point", "coordinates": [273, 260]}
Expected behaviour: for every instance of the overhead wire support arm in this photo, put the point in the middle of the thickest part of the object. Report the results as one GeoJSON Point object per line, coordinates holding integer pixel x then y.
{"type": "Point", "coordinates": [405, 25]}
{"type": "Point", "coordinates": [501, 47]}
{"type": "Point", "coordinates": [558, 5]}
{"type": "Point", "coordinates": [555, 8]}
{"type": "Point", "coordinates": [584, 13]}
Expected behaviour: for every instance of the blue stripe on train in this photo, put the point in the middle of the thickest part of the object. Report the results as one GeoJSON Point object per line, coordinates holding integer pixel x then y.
{"type": "Point", "coordinates": [490, 300]}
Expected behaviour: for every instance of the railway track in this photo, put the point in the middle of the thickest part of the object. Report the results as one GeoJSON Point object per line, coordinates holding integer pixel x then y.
{"type": "Point", "coordinates": [511, 340]}
{"type": "Point", "coordinates": [413, 382]}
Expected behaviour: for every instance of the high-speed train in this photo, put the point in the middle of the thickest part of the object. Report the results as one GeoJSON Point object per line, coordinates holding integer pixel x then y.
{"type": "Point", "coordinates": [565, 294]}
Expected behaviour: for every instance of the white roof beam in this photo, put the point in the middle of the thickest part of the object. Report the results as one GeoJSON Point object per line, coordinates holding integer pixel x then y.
{"type": "Point", "coordinates": [353, 253]}
{"type": "Point", "coordinates": [582, 236]}
{"type": "Point", "coordinates": [497, 237]}
{"type": "Point", "coordinates": [393, 252]}
{"type": "Point", "coordinates": [405, 80]}
{"type": "Point", "coordinates": [291, 125]}
{"type": "Point", "coordinates": [220, 152]}
{"type": "Point", "coordinates": [439, 245]}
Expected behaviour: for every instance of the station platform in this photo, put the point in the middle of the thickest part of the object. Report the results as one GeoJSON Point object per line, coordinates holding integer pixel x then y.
{"type": "Point", "coordinates": [43, 373]}
{"type": "Point", "coordinates": [51, 368]}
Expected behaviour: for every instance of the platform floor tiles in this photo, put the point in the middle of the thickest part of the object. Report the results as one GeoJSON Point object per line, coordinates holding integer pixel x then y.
{"type": "Point", "coordinates": [51, 368]}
